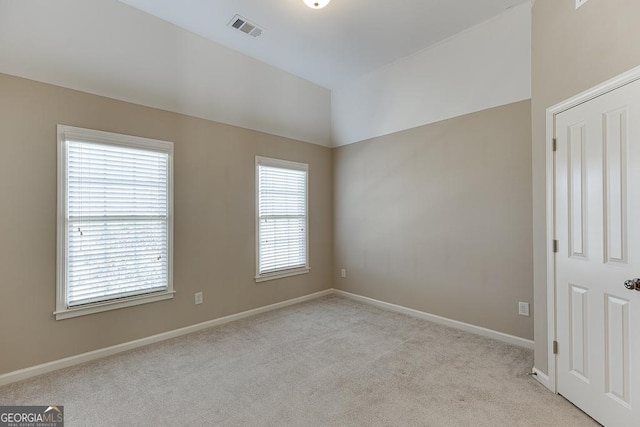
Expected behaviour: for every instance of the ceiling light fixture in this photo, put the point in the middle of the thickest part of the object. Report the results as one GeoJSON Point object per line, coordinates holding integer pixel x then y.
{"type": "Point", "coordinates": [316, 4]}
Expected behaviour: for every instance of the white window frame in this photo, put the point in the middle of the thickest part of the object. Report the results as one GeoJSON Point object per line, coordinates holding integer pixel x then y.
{"type": "Point", "coordinates": [285, 164]}
{"type": "Point", "coordinates": [93, 136]}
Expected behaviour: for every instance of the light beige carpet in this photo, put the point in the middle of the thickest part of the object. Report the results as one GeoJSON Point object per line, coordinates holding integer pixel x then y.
{"type": "Point", "coordinates": [328, 362]}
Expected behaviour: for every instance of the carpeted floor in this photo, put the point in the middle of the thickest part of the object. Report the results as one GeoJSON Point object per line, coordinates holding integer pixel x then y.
{"type": "Point", "coordinates": [328, 362]}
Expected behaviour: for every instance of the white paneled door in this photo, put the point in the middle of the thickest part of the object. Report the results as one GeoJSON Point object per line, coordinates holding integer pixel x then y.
{"type": "Point", "coordinates": [597, 209]}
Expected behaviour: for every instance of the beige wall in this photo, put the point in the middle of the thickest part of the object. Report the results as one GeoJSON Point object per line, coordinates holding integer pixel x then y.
{"type": "Point", "coordinates": [214, 221]}
{"type": "Point", "coordinates": [438, 218]}
{"type": "Point", "coordinates": [573, 50]}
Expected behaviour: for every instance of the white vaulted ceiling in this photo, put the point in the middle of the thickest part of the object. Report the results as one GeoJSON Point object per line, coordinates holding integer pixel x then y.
{"type": "Point", "coordinates": [330, 46]}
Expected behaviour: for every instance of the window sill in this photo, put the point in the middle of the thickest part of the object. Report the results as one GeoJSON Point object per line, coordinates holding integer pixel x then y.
{"type": "Point", "coordinates": [112, 305]}
{"type": "Point", "coordinates": [281, 274]}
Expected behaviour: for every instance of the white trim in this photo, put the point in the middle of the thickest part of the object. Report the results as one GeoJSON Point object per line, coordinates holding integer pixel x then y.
{"type": "Point", "coordinates": [23, 374]}
{"type": "Point", "coordinates": [113, 305]}
{"type": "Point", "coordinates": [599, 90]}
{"type": "Point", "coordinates": [285, 164]}
{"type": "Point", "coordinates": [281, 163]}
{"type": "Point", "coordinates": [281, 274]}
{"type": "Point", "coordinates": [64, 134]}
{"type": "Point", "coordinates": [478, 330]}
{"type": "Point", "coordinates": [111, 138]}
{"type": "Point", "coordinates": [55, 365]}
{"type": "Point", "coordinates": [541, 377]}
{"type": "Point", "coordinates": [550, 256]}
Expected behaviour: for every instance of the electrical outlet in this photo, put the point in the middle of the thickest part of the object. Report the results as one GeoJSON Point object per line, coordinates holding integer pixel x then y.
{"type": "Point", "coordinates": [523, 309]}
{"type": "Point", "coordinates": [343, 273]}
{"type": "Point", "coordinates": [198, 297]}
{"type": "Point", "coordinates": [580, 3]}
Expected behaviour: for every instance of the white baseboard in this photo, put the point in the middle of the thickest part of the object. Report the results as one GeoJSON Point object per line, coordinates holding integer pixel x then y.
{"type": "Point", "coordinates": [55, 365]}
{"type": "Point", "coordinates": [44, 368]}
{"type": "Point", "coordinates": [500, 336]}
{"type": "Point", "coordinates": [541, 377]}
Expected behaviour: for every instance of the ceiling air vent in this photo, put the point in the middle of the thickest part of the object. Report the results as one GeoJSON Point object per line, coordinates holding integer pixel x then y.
{"type": "Point", "coordinates": [240, 23]}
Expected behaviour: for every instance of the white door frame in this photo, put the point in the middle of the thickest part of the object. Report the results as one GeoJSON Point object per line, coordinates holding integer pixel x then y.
{"type": "Point", "coordinates": [608, 86]}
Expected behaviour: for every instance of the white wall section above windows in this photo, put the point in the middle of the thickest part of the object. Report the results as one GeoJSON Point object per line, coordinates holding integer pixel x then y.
{"type": "Point", "coordinates": [110, 49]}
{"type": "Point", "coordinates": [486, 66]}
{"type": "Point", "coordinates": [282, 247]}
{"type": "Point", "coordinates": [114, 221]}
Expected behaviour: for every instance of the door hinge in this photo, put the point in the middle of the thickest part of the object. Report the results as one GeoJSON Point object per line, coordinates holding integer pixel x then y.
{"type": "Point", "coordinates": [555, 347]}
{"type": "Point", "coordinates": [555, 246]}
{"type": "Point", "coordinates": [555, 144]}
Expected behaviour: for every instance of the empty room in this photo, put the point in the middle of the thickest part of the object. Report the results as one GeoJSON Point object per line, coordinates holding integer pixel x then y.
{"type": "Point", "coordinates": [319, 213]}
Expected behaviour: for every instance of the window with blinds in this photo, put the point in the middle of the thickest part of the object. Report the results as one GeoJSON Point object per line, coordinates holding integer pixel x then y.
{"type": "Point", "coordinates": [282, 223]}
{"type": "Point", "coordinates": [115, 226]}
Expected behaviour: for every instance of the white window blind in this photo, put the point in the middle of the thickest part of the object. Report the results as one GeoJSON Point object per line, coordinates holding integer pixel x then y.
{"type": "Point", "coordinates": [117, 220]}
{"type": "Point", "coordinates": [282, 216]}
